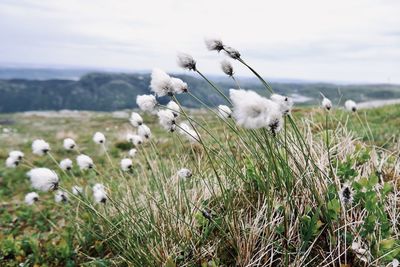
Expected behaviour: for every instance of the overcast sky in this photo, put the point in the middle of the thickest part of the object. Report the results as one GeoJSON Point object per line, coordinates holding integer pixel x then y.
{"type": "Point", "coordinates": [341, 40]}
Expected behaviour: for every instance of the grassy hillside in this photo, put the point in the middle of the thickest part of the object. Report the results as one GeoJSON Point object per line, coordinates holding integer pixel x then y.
{"type": "Point", "coordinates": [70, 235]}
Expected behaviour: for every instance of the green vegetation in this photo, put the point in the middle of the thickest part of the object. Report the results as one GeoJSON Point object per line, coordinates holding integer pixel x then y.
{"type": "Point", "coordinates": [156, 219]}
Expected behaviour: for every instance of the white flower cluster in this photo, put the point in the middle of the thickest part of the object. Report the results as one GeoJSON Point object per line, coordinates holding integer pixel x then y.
{"type": "Point", "coordinates": [40, 147]}
{"type": "Point", "coordinates": [253, 111]}
{"type": "Point", "coordinates": [14, 158]}
{"type": "Point", "coordinates": [43, 179]}
{"type": "Point", "coordinates": [99, 193]}
{"type": "Point", "coordinates": [162, 84]}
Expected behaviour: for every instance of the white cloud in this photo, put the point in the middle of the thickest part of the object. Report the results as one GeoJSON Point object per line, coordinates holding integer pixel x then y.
{"type": "Point", "coordinates": [342, 40]}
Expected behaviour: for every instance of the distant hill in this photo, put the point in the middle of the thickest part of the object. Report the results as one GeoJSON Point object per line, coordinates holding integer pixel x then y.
{"type": "Point", "coordinates": [115, 91]}
{"type": "Point", "coordinates": [42, 73]}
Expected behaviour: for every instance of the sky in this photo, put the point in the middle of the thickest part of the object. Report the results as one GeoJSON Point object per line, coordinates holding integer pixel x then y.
{"type": "Point", "coordinates": [317, 40]}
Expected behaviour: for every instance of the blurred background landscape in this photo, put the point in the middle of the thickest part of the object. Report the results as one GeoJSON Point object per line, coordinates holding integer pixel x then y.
{"type": "Point", "coordinates": [84, 89]}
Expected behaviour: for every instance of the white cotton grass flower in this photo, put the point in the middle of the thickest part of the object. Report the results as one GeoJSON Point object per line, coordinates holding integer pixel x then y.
{"type": "Point", "coordinates": [66, 164]}
{"type": "Point", "coordinates": [232, 52]}
{"type": "Point", "coordinates": [40, 147]}
{"type": "Point", "coordinates": [99, 193]}
{"type": "Point", "coordinates": [135, 139]}
{"type": "Point", "coordinates": [350, 105]}
{"type": "Point", "coordinates": [144, 131]}
{"type": "Point", "coordinates": [361, 253]}
{"type": "Point", "coordinates": [179, 86]}
{"type": "Point", "coordinates": [184, 173]}
{"type": "Point", "coordinates": [166, 119]}
{"type": "Point", "coordinates": [161, 83]}
{"type": "Point", "coordinates": [129, 137]}
{"type": "Point", "coordinates": [135, 119]}
{"type": "Point", "coordinates": [100, 196]}
{"type": "Point", "coordinates": [188, 132]}
{"type": "Point", "coordinates": [84, 162]}
{"type": "Point", "coordinates": [132, 152]}
{"type": "Point", "coordinates": [61, 196]}
{"type": "Point", "coordinates": [31, 198]}
{"type": "Point", "coordinates": [43, 179]}
{"type": "Point", "coordinates": [99, 138]}
{"type": "Point", "coordinates": [275, 121]}
{"type": "Point", "coordinates": [251, 110]}
{"type": "Point", "coordinates": [146, 102]}
{"type": "Point", "coordinates": [77, 190]}
{"type": "Point", "coordinates": [227, 67]}
{"type": "Point", "coordinates": [224, 111]}
{"type": "Point", "coordinates": [214, 44]}
{"type": "Point", "coordinates": [174, 107]}
{"type": "Point", "coordinates": [18, 155]}
{"type": "Point", "coordinates": [126, 164]}
{"type": "Point", "coordinates": [98, 186]}
{"type": "Point", "coordinates": [346, 194]}
{"type": "Point", "coordinates": [186, 61]}
{"type": "Point", "coordinates": [326, 103]}
{"type": "Point", "coordinates": [69, 143]}
{"type": "Point", "coordinates": [12, 162]}
{"type": "Point", "coordinates": [285, 103]}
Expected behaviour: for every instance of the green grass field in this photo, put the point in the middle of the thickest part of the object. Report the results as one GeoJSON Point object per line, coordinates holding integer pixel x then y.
{"type": "Point", "coordinates": [78, 233]}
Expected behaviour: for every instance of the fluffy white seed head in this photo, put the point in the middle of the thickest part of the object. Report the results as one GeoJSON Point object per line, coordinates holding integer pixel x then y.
{"type": "Point", "coordinates": [31, 198]}
{"type": "Point", "coordinates": [174, 107]}
{"type": "Point", "coordinates": [285, 103]}
{"type": "Point", "coordinates": [350, 105]}
{"type": "Point", "coordinates": [179, 86]}
{"type": "Point", "coordinates": [43, 179]}
{"type": "Point", "coordinates": [135, 139]}
{"type": "Point", "coordinates": [224, 112]}
{"type": "Point", "coordinates": [166, 119]}
{"type": "Point", "coordinates": [132, 152]}
{"type": "Point", "coordinates": [227, 67]}
{"type": "Point", "coordinates": [40, 147]}
{"type": "Point", "coordinates": [188, 132]}
{"type": "Point", "coordinates": [100, 196]}
{"type": "Point", "coordinates": [66, 164]}
{"type": "Point", "coordinates": [84, 162]}
{"type": "Point", "coordinates": [214, 44]}
{"type": "Point", "coordinates": [144, 131]}
{"type": "Point", "coordinates": [99, 193]}
{"type": "Point", "coordinates": [98, 186]}
{"type": "Point", "coordinates": [161, 83]}
{"type": "Point", "coordinates": [129, 137]}
{"type": "Point", "coordinates": [18, 155]}
{"type": "Point", "coordinates": [184, 173]}
{"type": "Point", "coordinates": [12, 162]}
{"type": "Point", "coordinates": [126, 164]}
{"type": "Point", "coordinates": [232, 52]}
{"type": "Point", "coordinates": [146, 102]}
{"type": "Point", "coordinates": [186, 61]}
{"type": "Point", "coordinates": [99, 138]}
{"type": "Point", "coordinates": [251, 110]}
{"type": "Point", "coordinates": [69, 143]}
{"type": "Point", "coordinates": [275, 121]}
{"type": "Point", "coordinates": [395, 263]}
{"type": "Point", "coordinates": [135, 119]}
{"type": "Point", "coordinates": [61, 196]}
{"type": "Point", "coordinates": [326, 103]}
{"type": "Point", "coordinates": [77, 190]}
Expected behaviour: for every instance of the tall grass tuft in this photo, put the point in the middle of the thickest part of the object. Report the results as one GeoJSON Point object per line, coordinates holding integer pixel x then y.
{"type": "Point", "coordinates": [249, 184]}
